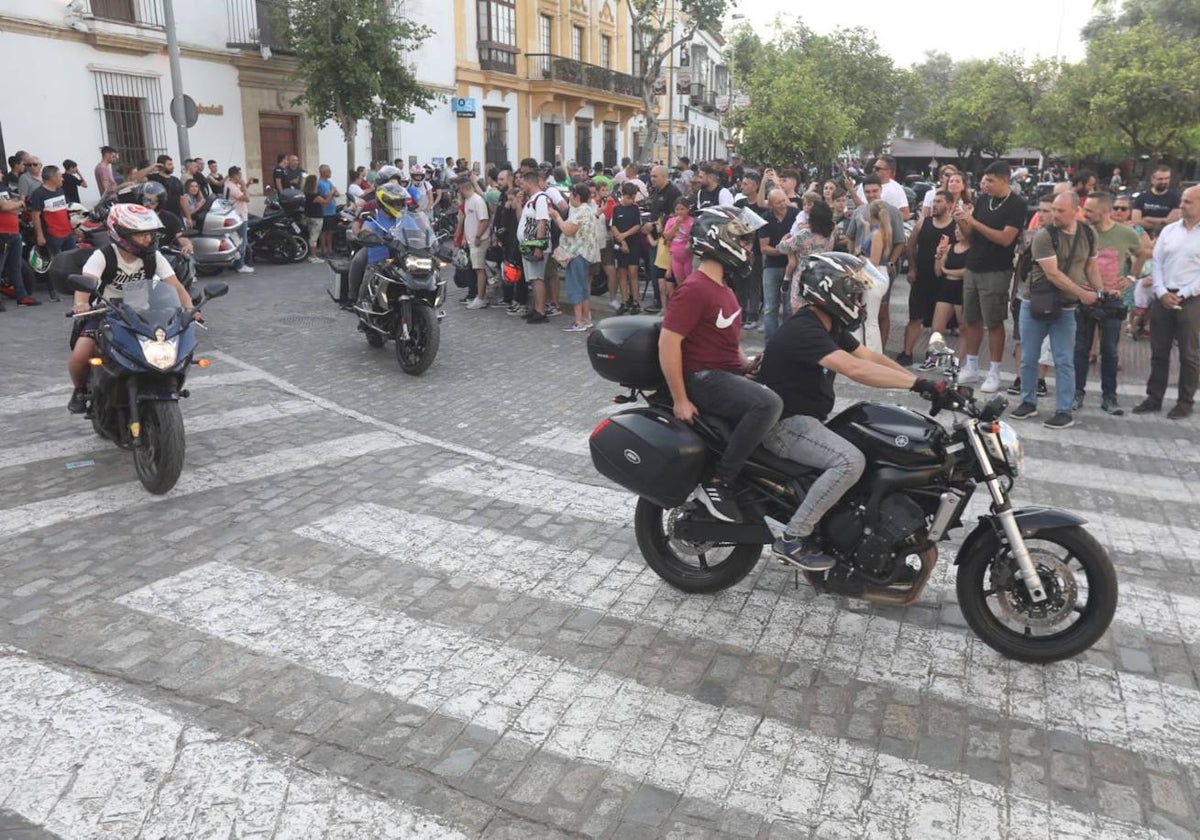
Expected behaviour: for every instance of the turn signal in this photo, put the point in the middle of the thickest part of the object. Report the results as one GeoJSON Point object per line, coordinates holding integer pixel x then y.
{"type": "Point", "coordinates": [95, 361]}
{"type": "Point", "coordinates": [135, 429]}
{"type": "Point", "coordinates": [204, 363]}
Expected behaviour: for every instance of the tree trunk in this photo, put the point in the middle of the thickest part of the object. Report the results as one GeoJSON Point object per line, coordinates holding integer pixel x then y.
{"type": "Point", "coordinates": [646, 147]}
{"type": "Point", "coordinates": [351, 132]}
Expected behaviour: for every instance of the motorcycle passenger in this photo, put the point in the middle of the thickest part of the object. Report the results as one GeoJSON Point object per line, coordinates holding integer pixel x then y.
{"type": "Point", "coordinates": [390, 201]}
{"type": "Point", "coordinates": [132, 255]}
{"type": "Point", "coordinates": [800, 364]}
{"type": "Point", "coordinates": [428, 196]}
{"type": "Point", "coordinates": [700, 351]}
{"type": "Point", "coordinates": [152, 196]}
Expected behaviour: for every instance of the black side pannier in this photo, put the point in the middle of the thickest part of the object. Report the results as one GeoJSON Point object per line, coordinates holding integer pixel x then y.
{"type": "Point", "coordinates": [624, 349]}
{"type": "Point", "coordinates": [650, 453]}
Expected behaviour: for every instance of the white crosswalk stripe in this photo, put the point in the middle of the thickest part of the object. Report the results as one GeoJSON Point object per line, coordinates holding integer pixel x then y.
{"type": "Point", "coordinates": [86, 761]}
{"type": "Point", "coordinates": [1122, 709]}
{"type": "Point", "coordinates": [79, 444]}
{"type": "Point", "coordinates": [195, 479]}
{"type": "Point", "coordinates": [56, 395]}
{"type": "Point", "coordinates": [676, 743]}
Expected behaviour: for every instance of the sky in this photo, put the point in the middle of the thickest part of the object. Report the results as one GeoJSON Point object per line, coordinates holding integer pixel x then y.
{"type": "Point", "coordinates": [905, 31]}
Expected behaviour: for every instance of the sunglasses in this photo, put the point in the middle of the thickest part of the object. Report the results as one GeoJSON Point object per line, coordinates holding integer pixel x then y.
{"type": "Point", "coordinates": [881, 169]}
{"type": "Point", "coordinates": [1118, 207]}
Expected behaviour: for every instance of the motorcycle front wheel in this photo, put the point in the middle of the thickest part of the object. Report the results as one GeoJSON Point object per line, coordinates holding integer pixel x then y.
{"type": "Point", "coordinates": [1080, 584]}
{"type": "Point", "coordinates": [158, 458]}
{"type": "Point", "coordinates": [301, 249]}
{"type": "Point", "coordinates": [275, 247]}
{"type": "Point", "coordinates": [424, 335]}
{"type": "Point", "coordinates": [687, 566]}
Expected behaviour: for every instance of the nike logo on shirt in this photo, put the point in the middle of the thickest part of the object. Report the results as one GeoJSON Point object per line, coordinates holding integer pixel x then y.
{"type": "Point", "coordinates": [723, 322]}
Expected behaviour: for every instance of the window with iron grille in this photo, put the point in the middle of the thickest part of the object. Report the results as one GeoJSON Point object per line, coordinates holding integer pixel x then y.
{"type": "Point", "coordinates": [496, 136]}
{"type": "Point", "coordinates": [131, 115]}
{"type": "Point", "coordinates": [577, 43]}
{"type": "Point", "coordinates": [497, 35]}
{"type": "Point", "coordinates": [141, 12]}
{"type": "Point", "coordinates": [385, 140]}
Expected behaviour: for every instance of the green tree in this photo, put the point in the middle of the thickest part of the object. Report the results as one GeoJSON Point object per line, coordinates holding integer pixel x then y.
{"type": "Point", "coordinates": [659, 28]}
{"type": "Point", "coordinates": [978, 112]}
{"type": "Point", "coordinates": [351, 63]}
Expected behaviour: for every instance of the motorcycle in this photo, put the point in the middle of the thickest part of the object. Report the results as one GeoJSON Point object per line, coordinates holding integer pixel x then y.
{"type": "Point", "coordinates": [1032, 583]}
{"type": "Point", "coordinates": [280, 235]}
{"type": "Point", "coordinates": [144, 346]}
{"type": "Point", "coordinates": [402, 296]}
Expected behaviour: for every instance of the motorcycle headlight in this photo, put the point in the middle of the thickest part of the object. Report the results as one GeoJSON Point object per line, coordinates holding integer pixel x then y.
{"type": "Point", "coordinates": [1013, 453]}
{"type": "Point", "coordinates": [418, 265]}
{"type": "Point", "coordinates": [160, 353]}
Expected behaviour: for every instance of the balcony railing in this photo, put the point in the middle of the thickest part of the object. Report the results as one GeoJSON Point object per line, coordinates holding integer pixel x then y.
{"type": "Point", "coordinates": [696, 94]}
{"type": "Point", "coordinates": [137, 12]}
{"type": "Point", "coordinates": [557, 68]}
{"type": "Point", "coordinates": [254, 24]}
{"type": "Point", "coordinates": [500, 58]}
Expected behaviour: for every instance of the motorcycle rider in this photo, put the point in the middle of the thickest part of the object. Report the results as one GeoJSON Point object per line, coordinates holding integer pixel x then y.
{"type": "Point", "coordinates": [132, 255]}
{"type": "Point", "coordinates": [800, 364]}
{"type": "Point", "coordinates": [390, 202]}
{"type": "Point", "coordinates": [152, 195]}
{"type": "Point", "coordinates": [700, 351]}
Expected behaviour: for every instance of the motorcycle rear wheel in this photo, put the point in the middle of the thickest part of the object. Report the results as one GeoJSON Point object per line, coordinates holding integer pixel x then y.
{"type": "Point", "coordinates": [159, 457]}
{"type": "Point", "coordinates": [275, 247]}
{"type": "Point", "coordinates": [1053, 553]}
{"type": "Point", "coordinates": [424, 335]}
{"type": "Point", "coordinates": [301, 248]}
{"type": "Point", "coordinates": [689, 573]}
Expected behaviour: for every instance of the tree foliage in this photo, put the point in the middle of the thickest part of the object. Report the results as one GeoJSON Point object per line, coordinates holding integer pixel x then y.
{"type": "Point", "coordinates": [977, 113]}
{"type": "Point", "coordinates": [351, 62]}
{"type": "Point", "coordinates": [659, 28]}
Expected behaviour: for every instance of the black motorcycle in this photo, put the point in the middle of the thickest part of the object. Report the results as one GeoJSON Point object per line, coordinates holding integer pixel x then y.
{"type": "Point", "coordinates": [280, 235]}
{"type": "Point", "coordinates": [1032, 582]}
{"type": "Point", "coordinates": [144, 345]}
{"type": "Point", "coordinates": [400, 299]}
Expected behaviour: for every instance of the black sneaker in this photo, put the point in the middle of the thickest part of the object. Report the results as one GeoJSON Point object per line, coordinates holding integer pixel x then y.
{"type": "Point", "coordinates": [77, 403]}
{"type": "Point", "coordinates": [1180, 411]}
{"type": "Point", "coordinates": [1110, 406]}
{"type": "Point", "coordinates": [1042, 390]}
{"type": "Point", "coordinates": [904, 359]}
{"type": "Point", "coordinates": [1023, 411]}
{"type": "Point", "coordinates": [635, 308]}
{"type": "Point", "coordinates": [536, 317]}
{"type": "Point", "coordinates": [714, 495]}
{"type": "Point", "coordinates": [1014, 390]}
{"type": "Point", "coordinates": [1148, 406]}
{"type": "Point", "coordinates": [623, 309]}
{"type": "Point", "coordinates": [802, 552]}
{"type": "Point", "coordinates": [1060, 420]}
{"type": "Point", "coordinates": [1077, 403]}
{"type": "Point", "coordinates": [652, 309]}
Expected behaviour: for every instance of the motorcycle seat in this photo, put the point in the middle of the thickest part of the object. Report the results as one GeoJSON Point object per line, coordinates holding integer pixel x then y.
{"type": "Point", "coordinates": [760, 455]}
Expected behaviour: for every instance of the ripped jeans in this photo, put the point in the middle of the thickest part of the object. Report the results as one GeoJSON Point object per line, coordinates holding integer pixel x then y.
{"type": "Point", "coordinates": [805, 440]}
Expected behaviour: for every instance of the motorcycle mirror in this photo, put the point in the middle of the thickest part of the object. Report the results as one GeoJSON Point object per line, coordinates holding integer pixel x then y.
{"type": "Point", "coordinates": [82, 283]}
{"type": "Point", "coordinates": [215, 290]}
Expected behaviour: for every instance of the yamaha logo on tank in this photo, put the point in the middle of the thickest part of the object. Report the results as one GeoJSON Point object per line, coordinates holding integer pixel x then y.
{"type": "Point", "coordinates": [632, 457]}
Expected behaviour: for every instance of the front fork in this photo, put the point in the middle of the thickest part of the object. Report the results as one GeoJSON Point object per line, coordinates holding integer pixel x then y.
{"type": "Point", "coordinates": [1002, 507]}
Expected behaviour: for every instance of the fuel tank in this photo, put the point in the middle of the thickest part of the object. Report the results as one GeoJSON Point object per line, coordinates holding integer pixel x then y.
{"type": "Point", "coordinates": [891, 435]}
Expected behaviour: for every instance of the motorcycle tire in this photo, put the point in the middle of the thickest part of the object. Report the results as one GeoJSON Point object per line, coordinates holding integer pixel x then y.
{"type": "Point", "coordinates": [424, 335]}
{"type": "Point", "coordinates": [159, 457]}
{"type": "Point", "coordinates": [374, 339]}
{"type": "Point", "coordinates": [301, 248]}
{"type": "Point", "coordinates": [668, 564]}
{"type": "Point", "coordinates": [276, 247]}
{"type": "Point", "coordinates": [975, 590]}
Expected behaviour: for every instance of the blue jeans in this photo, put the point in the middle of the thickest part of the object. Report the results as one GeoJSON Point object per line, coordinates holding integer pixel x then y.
{"type": "Point", "coordinates": [771, 285]}
{"type": "Point", "coordinates": [1062, 348]}
{"type": "Point", "coordinates": [57, 244]}
{"type": "Point", "coordinates": [243, 231]}
{"type": "Point", "coordinates": [10, 268]}
{"type": "Point", "coordinates": [1110, 334]}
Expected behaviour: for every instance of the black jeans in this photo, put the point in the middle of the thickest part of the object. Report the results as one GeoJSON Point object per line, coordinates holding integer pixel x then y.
{"type": "Point", "coordinates": [751, 407]}
{"type": "Point", "coordinates": [1110, 335]}
{"type": "Point", "coordinates": [1169, 327]}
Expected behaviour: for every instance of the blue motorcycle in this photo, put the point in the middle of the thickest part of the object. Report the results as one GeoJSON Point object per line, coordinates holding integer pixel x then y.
{"type": "Point", "coordinates": [145, 342]}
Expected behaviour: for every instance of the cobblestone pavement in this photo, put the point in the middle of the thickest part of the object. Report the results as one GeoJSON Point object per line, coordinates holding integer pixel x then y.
{"type": "Point", "coordinates": [380, 606]}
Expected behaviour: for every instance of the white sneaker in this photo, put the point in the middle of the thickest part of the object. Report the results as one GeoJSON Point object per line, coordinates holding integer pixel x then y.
{"type": "Point", "coordinates": [478, 303]}
{"type": "Point", "coordinates": [968, 375]}
{"type": "Point", "coordinates": [245, 270]}
{"type": "Point", "coordinates": [991, 384]}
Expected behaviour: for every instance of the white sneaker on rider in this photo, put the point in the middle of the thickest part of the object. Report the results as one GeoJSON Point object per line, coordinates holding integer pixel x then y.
{"type": "Point", "coordinates": [991, 383]}
{"type": "Point", "coordinates": [245, 270]}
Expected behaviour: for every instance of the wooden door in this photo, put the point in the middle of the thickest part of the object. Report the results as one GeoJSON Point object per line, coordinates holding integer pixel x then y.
{"type": "Point", "coordinates": [278, 135]}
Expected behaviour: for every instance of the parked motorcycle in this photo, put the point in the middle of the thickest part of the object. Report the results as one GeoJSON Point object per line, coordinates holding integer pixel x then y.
{"type": "Point", "coordinates": [1031, 582]}
{"type": "Point", "coordinates": [143, 349]}
{"type": "Point", "coordinates": [403, 295]}
{"type": "Point", "coordinates": [280, 235]}
{"type": "Point", "coordinates": [215, 236]}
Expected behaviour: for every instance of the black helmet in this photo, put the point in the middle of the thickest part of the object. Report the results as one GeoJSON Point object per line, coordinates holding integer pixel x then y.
{"type": "Point", "coordinates": [153, 191]}
{"type": "Point", "coordinates": [834, 282]}
{"type": "Point", "coordinates": [726, 234]}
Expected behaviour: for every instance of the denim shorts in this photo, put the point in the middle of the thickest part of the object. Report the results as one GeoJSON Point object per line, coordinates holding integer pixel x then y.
{"type": "Point", "coordinates": [578, 285]}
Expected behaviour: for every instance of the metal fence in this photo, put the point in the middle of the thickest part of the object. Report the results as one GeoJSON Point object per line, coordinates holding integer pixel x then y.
{"type": "Point", "coordinates": [256, 23]}
{"type": "Point", "coordinates": [140, 12]}
{"type": "Point", "coordinates": [557, 68]}
{"type": "Point", "coordinates": [131, 115]}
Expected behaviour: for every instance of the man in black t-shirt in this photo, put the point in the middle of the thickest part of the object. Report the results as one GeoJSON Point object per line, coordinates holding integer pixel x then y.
{"type": "Point", "coordinates": [993, 228]}
{"type": "Point", "coordinates": [163, 173]}
{"type": "Point", "coordinates": [1158, 206]}
{"type": "Point", "coordinates": [279, 175]}
{"type": "Point", "coordinates": [780, 217]}
{"type": "Point", "coordinates": [800, 364]}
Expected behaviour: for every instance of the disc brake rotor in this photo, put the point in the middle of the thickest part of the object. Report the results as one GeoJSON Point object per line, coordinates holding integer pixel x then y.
{"type": "Point", "coordinates": [692, 549]}
{"type": "Point", "coordinates": [1060, 586]}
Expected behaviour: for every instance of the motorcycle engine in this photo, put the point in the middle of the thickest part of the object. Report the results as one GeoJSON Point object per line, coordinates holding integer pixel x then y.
{"type": "Point", "coordinates": [900, 519]}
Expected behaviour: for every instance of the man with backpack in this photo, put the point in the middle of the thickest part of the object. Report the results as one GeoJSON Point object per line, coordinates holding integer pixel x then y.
{"type": "Point", "coordinates": [1063, 274]}
{"type": "Point", "coordinates": [535, 244]}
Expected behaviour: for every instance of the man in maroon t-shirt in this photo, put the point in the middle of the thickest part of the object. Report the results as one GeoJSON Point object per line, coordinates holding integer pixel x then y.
{"type": "Point", "coordinates": [701, 355]}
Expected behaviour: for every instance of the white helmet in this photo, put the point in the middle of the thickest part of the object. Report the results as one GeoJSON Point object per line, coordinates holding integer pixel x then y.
{"type": "Point", "coordinates": [387, 173]}
{"type": "Point", "coordinates": [417, 171]}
